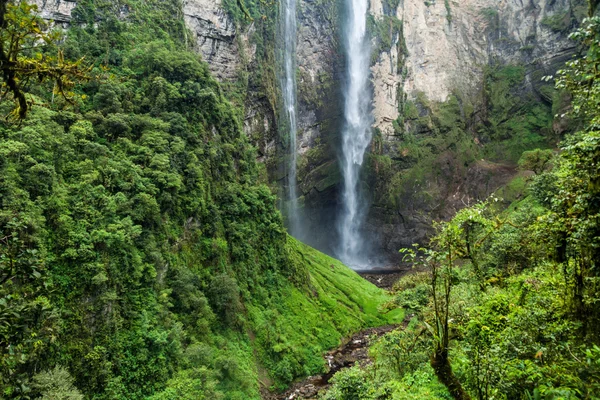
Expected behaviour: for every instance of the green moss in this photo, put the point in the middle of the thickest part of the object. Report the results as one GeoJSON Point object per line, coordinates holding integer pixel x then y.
{"type": "Point", "coordinates": [390, 6]}
{"type": "Point", "coordinates": [306, 321]}
{"type": "Point", "coordinates": [410, 110]}
{"type": "Point", "coordinates": [448, 11]}
{"type": "Point", "coordinates": [322, 177]}
{"type": "Point", "coordinates": [516, 122]}
{"type": "Point", "coordinates": [514, 190]}
{"type": "Point", "coordinates": [261, 76]}
{"type": "Point", "coordinates": [316, 155]}
{"type": "Point", "coordinates": [385, 32]}
{"type": "Point", "coordinates": [558, 22]}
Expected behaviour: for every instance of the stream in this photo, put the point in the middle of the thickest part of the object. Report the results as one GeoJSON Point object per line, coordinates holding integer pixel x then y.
{"type": "Point", "coordinates": [355, 350]}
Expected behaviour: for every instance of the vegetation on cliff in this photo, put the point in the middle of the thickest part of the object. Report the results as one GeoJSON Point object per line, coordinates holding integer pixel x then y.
{"type": "Point", "coordinates": [140, 255]}
{"type": "Point", "coordinates": [508, 306]}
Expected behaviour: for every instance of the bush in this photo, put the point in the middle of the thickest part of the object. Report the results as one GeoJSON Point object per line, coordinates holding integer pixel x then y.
{"type": "Point", "coordinates": [350, 384]}
{"type": "Point", "coordinates": [537, 160]}
{"type": "Point", "coordinates": [56, 384]}
{"type": "Point", "coordinates": [224, 297]}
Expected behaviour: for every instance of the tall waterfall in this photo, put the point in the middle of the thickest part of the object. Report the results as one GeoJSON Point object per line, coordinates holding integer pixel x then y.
{"type": "Point", "coordinates": [288, 86]}
{"type": "Point", "coordinates": [356, 134]}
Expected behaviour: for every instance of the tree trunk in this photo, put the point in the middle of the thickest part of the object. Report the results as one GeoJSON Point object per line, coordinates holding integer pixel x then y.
{"type": "Point", "coordinates": [443, 371]}
{"type": "Point", "coordinates": [593, 5]}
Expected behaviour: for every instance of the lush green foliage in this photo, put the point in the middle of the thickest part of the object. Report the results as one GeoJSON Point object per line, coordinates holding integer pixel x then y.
{"type": "Point", "coordinates": [258, 81]}
{"type": "Point", "coordinates": [536, 160]}
{"type": "Point", "coordinates": [508, 307]}
{"type": "Point", "coordinates": [439, 142]}
{"type": "Point", "coordinates": [508, 320]}
{"type": "Point", "coordinates": [386, 32]}
{"type": "Point", "coordinates": [27, 52]}
{"type": "Point", "coordinates": [140, 256]}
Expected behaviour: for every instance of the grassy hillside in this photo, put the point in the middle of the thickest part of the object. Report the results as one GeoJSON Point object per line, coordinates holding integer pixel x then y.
{"type": "Point", "coordinates": [285, 332]}
{"type": "Point", "coordinates": [302, 322]}
{"type": "Point", "coordinates": [141, 256]}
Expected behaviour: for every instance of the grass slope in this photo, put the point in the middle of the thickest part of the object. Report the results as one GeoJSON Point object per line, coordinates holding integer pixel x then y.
{"type": "Point", "coordinates": [304, 322]}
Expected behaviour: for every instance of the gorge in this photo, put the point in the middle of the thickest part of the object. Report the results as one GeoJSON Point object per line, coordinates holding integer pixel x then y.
{"type": "Point", "coordinates": [426, 59]}
{"type": "Point", "coordinates": [199, 198]}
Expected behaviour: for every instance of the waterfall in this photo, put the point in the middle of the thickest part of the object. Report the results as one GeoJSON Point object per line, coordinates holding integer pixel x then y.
{"type": "Point", "coordinates": [288, 86]}
{"type": "Point", "coordinates": [356, 134]}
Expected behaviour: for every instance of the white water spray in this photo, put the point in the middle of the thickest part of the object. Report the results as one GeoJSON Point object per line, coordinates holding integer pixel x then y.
{"type": "Point", "coordinates": [288, 86]}
{"type": "Point", "coordinates": [356, 134]}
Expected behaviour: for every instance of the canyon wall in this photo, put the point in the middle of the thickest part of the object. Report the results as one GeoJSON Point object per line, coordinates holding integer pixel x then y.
{"type": "Point", "coordinates": [425, 54]}
{"type": "Point", "coordinates": [444, 48]}
{"type": "Point", "coordinates": [449, 43]}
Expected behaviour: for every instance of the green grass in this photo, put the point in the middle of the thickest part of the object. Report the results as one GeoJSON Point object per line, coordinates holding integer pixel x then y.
{"type": "Point", "coordinates": [302, 323]}
{"type": "Point", "coordinates": [286, 328]}
{"type": "Point", "coordinates": [339, 282]}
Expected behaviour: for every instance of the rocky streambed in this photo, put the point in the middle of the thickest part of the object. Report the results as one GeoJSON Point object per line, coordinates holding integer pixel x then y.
{"type": "Point", "coordinates": [384, 277]}
{"type": "Point", "coordinates": [354, 351]}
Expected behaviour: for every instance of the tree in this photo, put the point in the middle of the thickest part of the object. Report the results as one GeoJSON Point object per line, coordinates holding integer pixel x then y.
{"type": "Point", "coordinates": [573, 220]}
{"type": "Point", "coordinates": [456, 241]}
{"type": "Point", "coordinates": [536, 160]}
{"type": "Point", "coordinates": [25, 54]}
{"type": "Point", "coordinates": [56, 384]}
{"type": "Point", "coordinates": [445, 248]}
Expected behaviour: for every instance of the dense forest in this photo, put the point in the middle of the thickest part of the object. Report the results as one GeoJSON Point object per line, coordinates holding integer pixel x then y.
{"type": "Point", "coordinates": [142, 254]}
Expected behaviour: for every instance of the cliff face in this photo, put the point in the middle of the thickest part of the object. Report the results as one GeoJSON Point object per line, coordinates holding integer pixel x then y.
{"type": "Point", "coordinates": [424, 52]}
{"type": "Point", "coordinates": [230, 49]}
{"type": "Point", "coordinates": [444, 49]}
{"type": "Point", "coordinates": [216, 37]}
{"type": "Point", "coordinates": [55, 10]}
{"type": "Point", "coordinates": [319, 118]}
{"type": "Point", "coordinates": [447, 45]}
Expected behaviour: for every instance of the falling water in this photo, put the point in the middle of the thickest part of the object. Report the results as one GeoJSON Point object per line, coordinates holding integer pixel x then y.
{"type": "Point", "coordinates": [356, 135]}
{"type": "Point", "coordinates": [288, 86]}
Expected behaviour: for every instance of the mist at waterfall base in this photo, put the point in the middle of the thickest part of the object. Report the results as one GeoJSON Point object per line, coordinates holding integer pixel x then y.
{"type": "Point", "coordinates": [353, 249]}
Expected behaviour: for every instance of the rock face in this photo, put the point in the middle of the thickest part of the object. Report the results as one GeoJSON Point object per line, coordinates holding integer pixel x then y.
{"type": "Point", "coordinates": [58, 11]}
{"type": "Point", "coordinates": [217, 39]}
{"type": "Point", "coordinates": [387, 80]}
{"type": "Point", "coordinates": [318, 67]}
{"type": "Point", "coordinates": [446, 47]}
{"type": "Point", "coordinates": [435, 48]}
{"type": "Point", "coordinates": [410, 221]}
{"type": "Point", "coordinates": [448, 44]}
{"type": "Point", "coordinates": [441, 47]}
{"type": "Point", "coordinates": [319, 119]}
